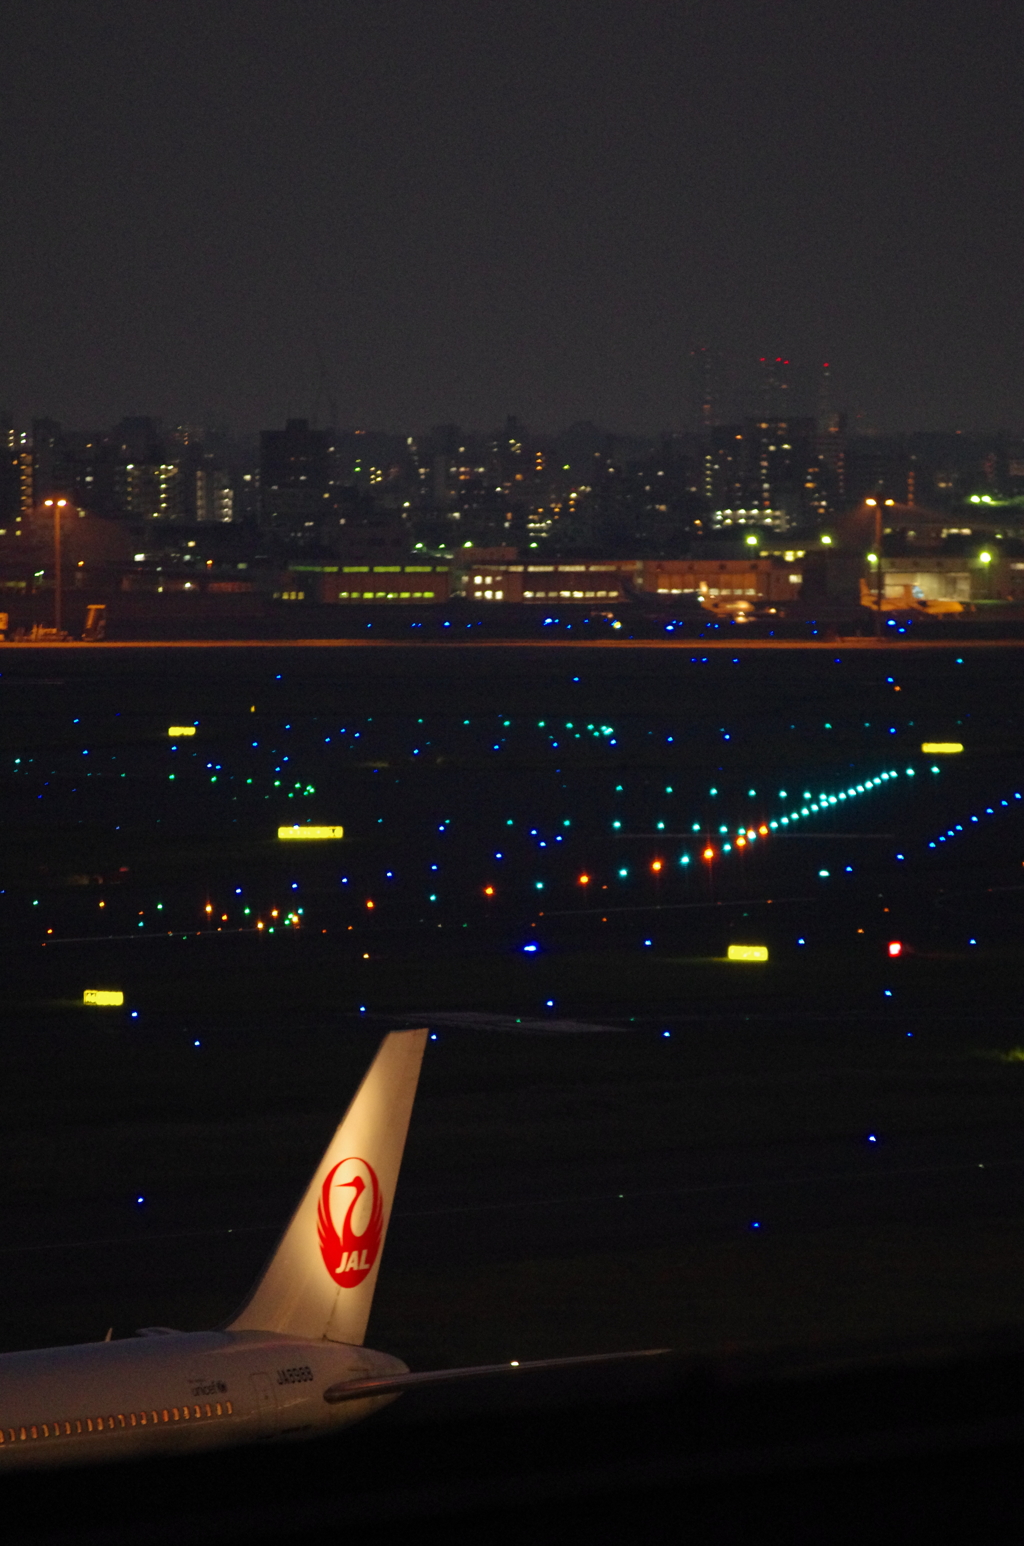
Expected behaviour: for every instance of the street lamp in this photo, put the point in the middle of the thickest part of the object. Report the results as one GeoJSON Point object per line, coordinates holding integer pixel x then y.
{"type": "Point", "coordinates": [58, 506]}
{"type": "Point", "coordinates": [873, 504]}
{"type": "Point", "coordinates": [985, 560]}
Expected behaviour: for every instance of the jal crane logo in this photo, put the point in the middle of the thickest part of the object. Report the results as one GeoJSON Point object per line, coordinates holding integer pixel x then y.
{"type": "Point", "coordinates": [349, 1253]}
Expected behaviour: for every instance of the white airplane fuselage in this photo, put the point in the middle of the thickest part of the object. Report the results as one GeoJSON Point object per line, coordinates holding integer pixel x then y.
{"type": "Point", "coordinates": [175, 1392]}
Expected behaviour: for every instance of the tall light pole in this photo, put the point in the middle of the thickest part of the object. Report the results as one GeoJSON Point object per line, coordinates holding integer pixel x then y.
{"type": "Point", "coordinates": [59, 506]}
{"type": "Point", "coordinates": [985, 559]}
{"type": "Point", "coordinates": [879, 581]}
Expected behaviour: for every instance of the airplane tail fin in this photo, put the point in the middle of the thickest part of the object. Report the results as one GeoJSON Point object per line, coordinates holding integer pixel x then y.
{"type": "Point", "coordinates": [320, 1280]}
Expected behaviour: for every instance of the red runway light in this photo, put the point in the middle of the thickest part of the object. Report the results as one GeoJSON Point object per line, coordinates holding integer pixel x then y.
{"type": "Point", "coordinates": [488, 891]}
{"type": "Point", "coordinates": [656, 865]}
{"type": "Point", "coordinates": [584, 880]}
{"type": "Point", "coordinates": [895, 947]}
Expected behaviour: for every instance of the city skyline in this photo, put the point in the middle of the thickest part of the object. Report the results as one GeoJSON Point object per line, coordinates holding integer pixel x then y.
{"type": "Point", "coordinates": [776, 468]}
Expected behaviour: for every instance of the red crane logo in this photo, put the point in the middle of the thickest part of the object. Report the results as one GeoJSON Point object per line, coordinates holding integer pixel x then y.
{"type": "Point", "coordinates": [349, 1254]}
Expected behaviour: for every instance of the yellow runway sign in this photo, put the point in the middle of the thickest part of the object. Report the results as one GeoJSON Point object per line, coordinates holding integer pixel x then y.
{"type": "Point", "coordinates": [309, 834]}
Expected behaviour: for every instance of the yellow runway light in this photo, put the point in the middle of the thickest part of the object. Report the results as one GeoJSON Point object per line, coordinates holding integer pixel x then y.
{"type": "Point", "coordinates": [109, 998]}
{"type": "Point", "coordinates": [309, 834]}
{"type": "Point", "coordinates": [941, 748]}
{"type": "Point", "coordinates": [179, 730]}
{"type": "Point", "coordinates": [748, 953]}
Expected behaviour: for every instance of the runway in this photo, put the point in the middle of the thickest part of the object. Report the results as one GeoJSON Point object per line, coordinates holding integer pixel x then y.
{"type": "Point", "coordinates": [859, 645]}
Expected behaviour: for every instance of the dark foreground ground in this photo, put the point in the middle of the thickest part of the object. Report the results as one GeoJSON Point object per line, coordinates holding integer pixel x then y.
{"type": "Point", "coordinates": [807, 1177]}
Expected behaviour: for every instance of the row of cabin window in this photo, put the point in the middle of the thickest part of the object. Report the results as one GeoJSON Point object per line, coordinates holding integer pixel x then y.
{"type": "Point", "coordinates": [385, 595]}
{"type": "Point", "coordinates": [569, 595]}
{"type": "Point", "coordinates": [70, 1428]}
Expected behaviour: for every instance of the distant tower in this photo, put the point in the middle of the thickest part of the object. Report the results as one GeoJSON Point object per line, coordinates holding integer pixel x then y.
{"type": "Point", "coordinates": [702, 355]}
{"type": "Point", "coordinates": [774, 388]}
{"type": "Point", "coordinates": [831, 436]}
{"type": "Point", "coordinates": [824, 396]}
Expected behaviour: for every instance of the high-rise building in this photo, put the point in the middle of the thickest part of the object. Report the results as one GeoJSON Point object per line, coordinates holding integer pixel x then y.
{"type": "Point", "coordinates": [50, 471]}
{"type": "Point", "coordinates": [764, 471]}
{"type": "Point", "coordinates": [296, 472]}
{"type": "Point", "coordinates": [15, 474]}
{"type": "Point", "coordinates": [214, 498]}
{"type": "Point", "coordinates": [143, 482]}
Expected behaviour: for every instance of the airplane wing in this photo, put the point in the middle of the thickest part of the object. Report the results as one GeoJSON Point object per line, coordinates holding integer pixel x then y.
{"type": "Point", "coordinates": [352, 1390]}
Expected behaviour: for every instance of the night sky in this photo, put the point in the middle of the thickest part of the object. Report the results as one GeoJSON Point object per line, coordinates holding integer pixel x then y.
{"type": "Point", "coordinates": [230, 211]}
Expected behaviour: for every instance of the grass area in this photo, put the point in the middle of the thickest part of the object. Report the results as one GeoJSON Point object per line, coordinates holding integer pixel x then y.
{"type": "Point", "coordinates": [841, 1287]}
{"type": "Point", "coordinates": [388, 971]}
